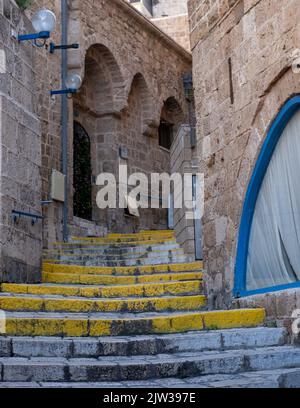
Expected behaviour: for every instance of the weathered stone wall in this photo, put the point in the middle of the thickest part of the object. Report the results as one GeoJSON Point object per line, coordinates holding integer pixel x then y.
{"type": "Point", "coordinates": [184, 160]}
{"type": "Point", "coordinates": [259, 37]}
{"type": "Point", "coordinates": [130, 69]}
{"type": "Point", "coordinates": [20, 151]}
{"type": "Point", "coordinates": [177, 27]}
{"type": "Point", "coordinates": [124, 47]}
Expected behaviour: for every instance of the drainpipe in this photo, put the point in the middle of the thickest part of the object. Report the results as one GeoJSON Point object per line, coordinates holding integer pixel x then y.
{"type": "Point", "coordinates": [64, 113]}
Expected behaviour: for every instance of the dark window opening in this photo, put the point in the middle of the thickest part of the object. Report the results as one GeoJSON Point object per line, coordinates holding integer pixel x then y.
{"type": "Point", "coordinates": [165, 132]}
{"type": "Point", "coordinates": [82, 174]}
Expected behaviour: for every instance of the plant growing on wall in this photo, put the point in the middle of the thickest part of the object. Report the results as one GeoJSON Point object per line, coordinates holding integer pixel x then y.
{"type": "Point", "coordinates": [23, 3]}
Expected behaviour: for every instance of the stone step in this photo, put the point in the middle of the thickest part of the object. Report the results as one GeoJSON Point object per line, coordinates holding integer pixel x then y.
{"type": "Point", "coordinates": [114, 250]}
{"type": "Point", "coordinates": [115, 256]}
{"type": "Point", "coordinates": [123, 324]}
{"type": "Point", "coordinates": [119, 238]}
{"type": "Point", "coordinates": [90, 279]}
{"type": "Point", "coordinates": [280, 378]}
{"type": "Point", "coordinates": [94, 261]}
{"type": "Point", "coordinates": [23, 302]}
{"type": "Point", "coordinates": [142, 345]}
{"type": "Point", "coordinates": [105, 243]}
{"type": "Point", "coordinates": [139, 368]}
{"type": "Point", "coordinates": [131, 270]}
{"type": "Point", "coordinates": [137, 290]}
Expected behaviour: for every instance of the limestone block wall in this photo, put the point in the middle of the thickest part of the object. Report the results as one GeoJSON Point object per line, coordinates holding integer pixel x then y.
{"type": "Point", "coordinates": [184, 160]}
{"type": "Point", "coordinates": [131, 69]}
{"type": "Point", "coordinates": [242, 74]}
{"type": "Point", "coordinates": [177, 27]}
{"type": "Point", "coordinates": [137, 69]}
{"type": "Point", "coordinates": [20, 151]}
{"type": "Point", "coordinates": [136, 58]}
{"type": "Point", "coordinates": [171, 16]}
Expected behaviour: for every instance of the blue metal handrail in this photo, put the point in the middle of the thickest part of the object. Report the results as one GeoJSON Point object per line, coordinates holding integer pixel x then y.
{"type": "Point", "coordinates": [34, 217]}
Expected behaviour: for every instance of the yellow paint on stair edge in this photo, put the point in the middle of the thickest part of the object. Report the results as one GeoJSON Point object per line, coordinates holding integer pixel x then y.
{"type": "Point", "coordinates": [104, 242]}
{"type": "Point", "coordinates": [124, 238]}
{"type": "Point", "coordinates": [108, 327]}
{"type": "Point", "coordinates": [135, 255]}
{"type": "Point", "coordinates": [118, 280]}
{"type": "Point", "coordinates": [137, 290]}
{"type": "Point", "coordinates": [158, 304]}
{"type": "Point", "coordinates": [233, 318]}
{"type": "Point", "coordinates": [123, 270]}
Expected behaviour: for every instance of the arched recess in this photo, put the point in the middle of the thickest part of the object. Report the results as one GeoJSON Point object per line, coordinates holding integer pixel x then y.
{"type": "Point", "coordinates": [172, 117]}
{"type": "Point", "coordinates": [103, 88]}
{"type": "Point", "coordinates": [141, 105]}
{"type": "Point", "coordinates": [269, 237]}
{"type": "Point", "coordinates": [82, 173]}
{"type": "Point", "coordinates": [98, 106]}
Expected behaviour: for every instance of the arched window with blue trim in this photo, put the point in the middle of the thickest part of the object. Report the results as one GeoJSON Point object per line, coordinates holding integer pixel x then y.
{"type": "Point", "coordinates": [268, 256]}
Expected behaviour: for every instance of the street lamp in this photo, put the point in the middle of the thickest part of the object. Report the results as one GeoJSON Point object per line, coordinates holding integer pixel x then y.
{"type": "Point", "coordinates": [72, 84]}
{"type": "Point", "coordinates": [43, 22]}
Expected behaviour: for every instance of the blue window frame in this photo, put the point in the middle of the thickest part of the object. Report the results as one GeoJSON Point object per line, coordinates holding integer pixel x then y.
{"type": "Point", "coordinates": [268, 148]}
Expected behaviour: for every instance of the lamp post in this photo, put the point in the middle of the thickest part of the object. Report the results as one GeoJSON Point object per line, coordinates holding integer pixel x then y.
{"type": "Point", "coordinates": [43, 22]}
{"type": "Point", "coordinates": [64, 114]}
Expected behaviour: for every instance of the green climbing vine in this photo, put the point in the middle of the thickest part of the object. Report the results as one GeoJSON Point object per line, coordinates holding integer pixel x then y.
{"type": "Point", "coordinates": [23, 3]}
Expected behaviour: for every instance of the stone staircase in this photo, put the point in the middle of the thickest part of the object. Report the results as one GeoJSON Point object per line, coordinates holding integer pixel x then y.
{"type": "Point", "coordinates": [127, 311]}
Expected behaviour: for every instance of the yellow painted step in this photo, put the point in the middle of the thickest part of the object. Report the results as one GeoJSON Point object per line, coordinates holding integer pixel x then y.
{"type": "Point", "coordinates": [125, 238]}
{"type": "Point", "coordinates": [173, 303]}
{"type": "Point", "coordinates": [88, 279]}
{"type": "Point", "coordinates": [140, 290]}
{"type": "Point", "coordinates": [103, 241]}
{"type": "Point", "coordinates": [114, 257]}
{"type": "Point", "coordinates": [154, 233]}
{"type": "Point", "coordinates": [94, 327]}
{"type": "Point", "coordinates": [123, 271]}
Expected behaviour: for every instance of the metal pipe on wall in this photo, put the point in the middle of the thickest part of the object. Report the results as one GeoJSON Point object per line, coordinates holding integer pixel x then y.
{"type": "Point", "coordinates": [64, 113]}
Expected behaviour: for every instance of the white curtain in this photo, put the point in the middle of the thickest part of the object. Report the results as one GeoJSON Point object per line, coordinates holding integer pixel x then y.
{"type": "Point", "coordinates": [274, 247]}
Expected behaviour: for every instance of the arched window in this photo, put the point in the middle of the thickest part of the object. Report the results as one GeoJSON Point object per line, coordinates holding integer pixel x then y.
{"type": "Point", "coordinates": [82, 173]}
{"type": "Point", "coordinates": [268, 257]}
{"type": "Point", "coordinates": [172, 117]}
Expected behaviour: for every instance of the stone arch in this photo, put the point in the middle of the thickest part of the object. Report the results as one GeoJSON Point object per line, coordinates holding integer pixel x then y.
{"type": "Point", "coordinates": [173, 112]}
{"type": "Point", "coordinates": [103, 88]}
{"type": "Point", "coordinates": [265, 113]}
{"type": "Point", "coordinates": [140, 88]}
{"type": "Point", "coordinates": [171, 119]}
{"type": "Point", "coordinates": [82, 172]}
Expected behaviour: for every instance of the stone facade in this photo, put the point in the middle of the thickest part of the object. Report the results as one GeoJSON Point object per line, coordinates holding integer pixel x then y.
{"type": "Point", "coordinates": [242, 51]}
{"type": "Point", "coordinates": [171, 16]}
{"type": "Point", "coordinates": [123, 98]}
{"type": "Point", "coordinates": [123, 111]}
{"type": "Point", "coordinates": [132, 77]}
{"type": "Point", "coordinates": [176, 27]}
{"type": "Point", "coordinates": [185, 160]}
{"type": "Point", "coordinates": [20, 152]}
